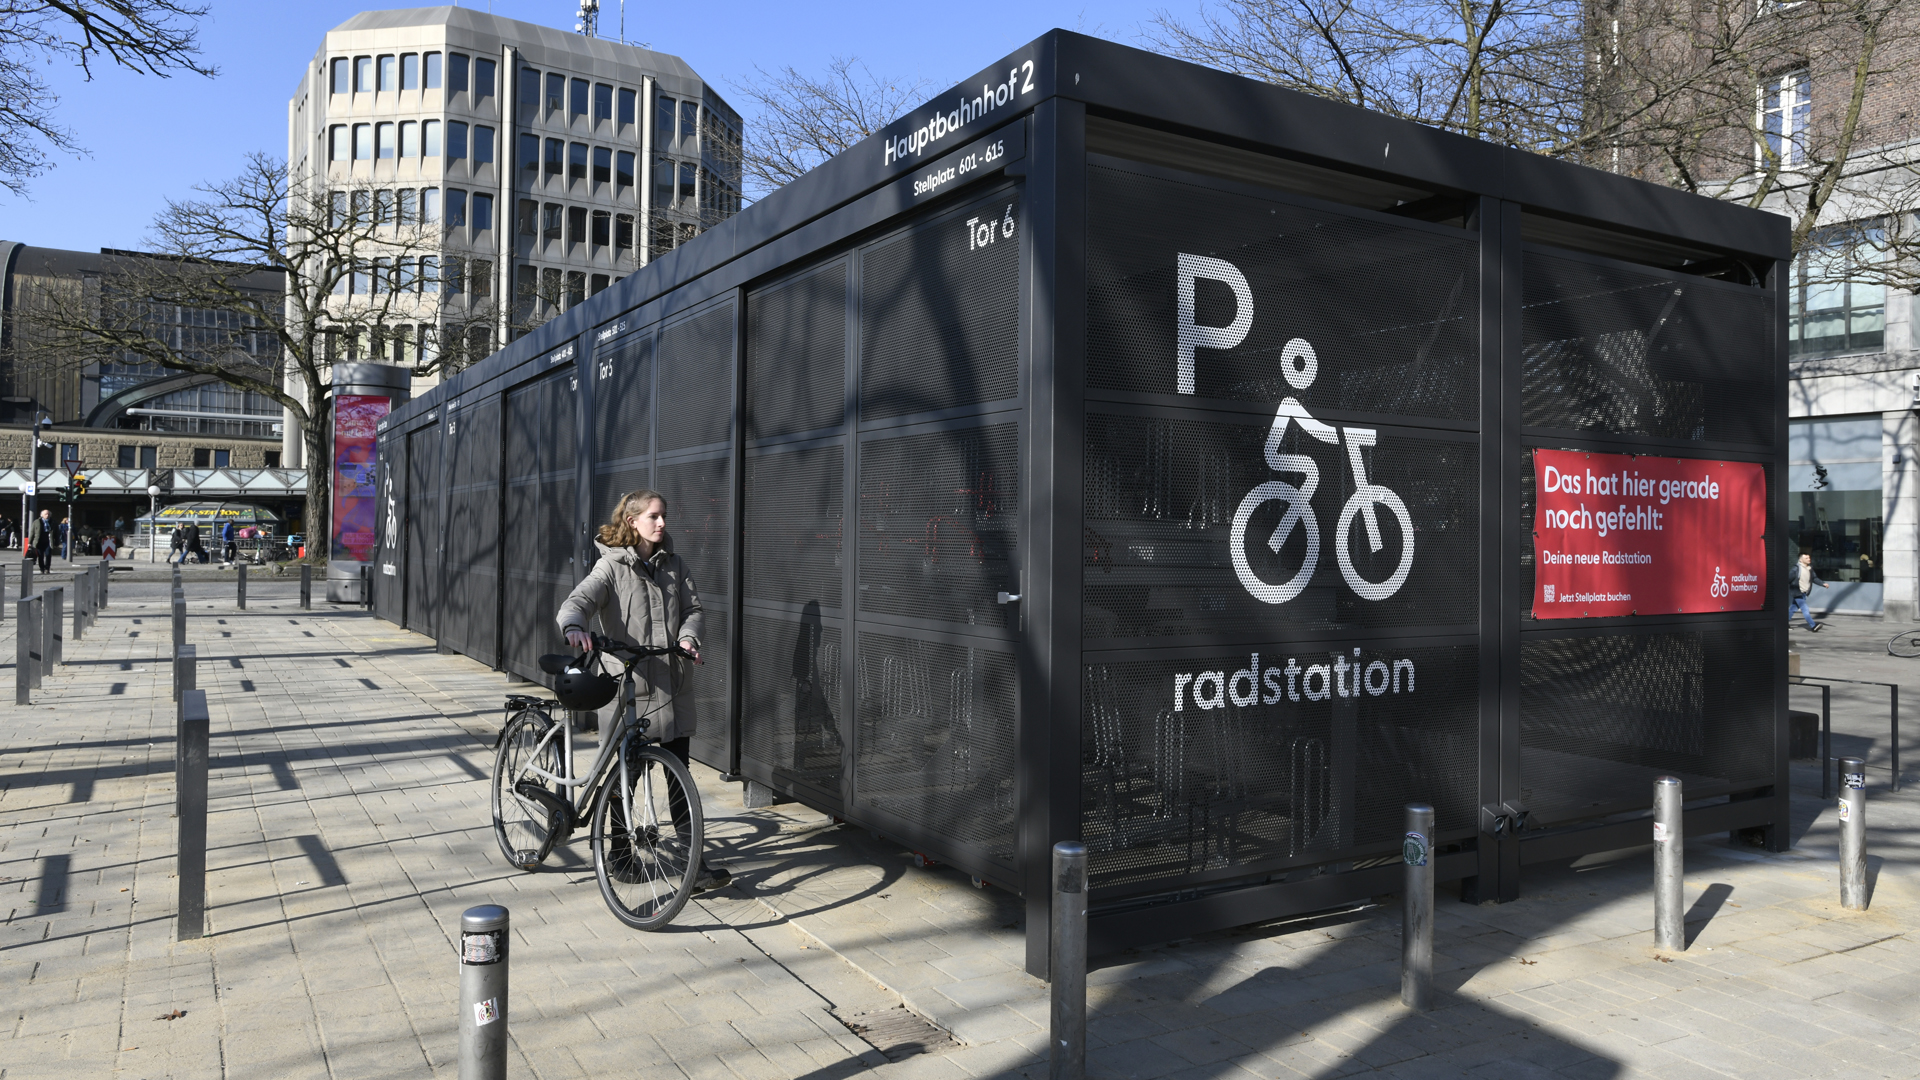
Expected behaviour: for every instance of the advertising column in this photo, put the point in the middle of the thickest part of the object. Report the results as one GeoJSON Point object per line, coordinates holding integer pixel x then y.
{"type": "Point", "coordinates": [363, 394]}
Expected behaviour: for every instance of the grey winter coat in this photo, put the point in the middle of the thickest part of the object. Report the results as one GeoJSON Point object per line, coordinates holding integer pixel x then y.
{"type": "Point", "coordinates": [652, 602]}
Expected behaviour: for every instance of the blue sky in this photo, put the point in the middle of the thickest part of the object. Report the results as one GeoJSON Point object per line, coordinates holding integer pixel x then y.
{"type": "Point", "coordinates": [140, 154]}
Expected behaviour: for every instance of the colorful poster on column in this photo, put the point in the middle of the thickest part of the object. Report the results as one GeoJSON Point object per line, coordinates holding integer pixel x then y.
{"type": "Point", "coordinates": [1616, 534]}
{"type": "Point", "coordinates": [355, 501]}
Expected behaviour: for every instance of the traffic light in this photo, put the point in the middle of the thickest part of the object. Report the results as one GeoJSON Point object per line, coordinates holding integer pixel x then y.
{"type": "Point", "coordinates": [79, 486]}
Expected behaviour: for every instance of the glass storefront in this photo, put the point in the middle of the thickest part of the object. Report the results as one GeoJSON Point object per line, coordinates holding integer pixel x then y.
{"type": "Point", "coordinates": [1835, 510]}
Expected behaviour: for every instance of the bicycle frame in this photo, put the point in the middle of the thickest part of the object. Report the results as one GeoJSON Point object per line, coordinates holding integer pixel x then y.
{"type": "Point", "coordinates": [589, 782]}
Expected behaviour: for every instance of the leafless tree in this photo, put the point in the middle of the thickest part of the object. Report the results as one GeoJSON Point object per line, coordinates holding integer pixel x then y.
{"type": "Point", "coordinates": [364, 280]}
{"type": "Point", "coordinates": [157, 37]}
{"type": "Point", "coordinates": [802, 120]}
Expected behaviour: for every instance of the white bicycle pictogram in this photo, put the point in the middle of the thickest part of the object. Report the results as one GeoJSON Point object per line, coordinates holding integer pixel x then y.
{"type": "Point", "coordinates": [1299, 364]}
{"type": "Point", "coordinates": [1720, 587]}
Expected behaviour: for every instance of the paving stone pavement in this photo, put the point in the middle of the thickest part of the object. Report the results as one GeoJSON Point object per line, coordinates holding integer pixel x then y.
{"type": "Point", "coordinates": [349, 828]}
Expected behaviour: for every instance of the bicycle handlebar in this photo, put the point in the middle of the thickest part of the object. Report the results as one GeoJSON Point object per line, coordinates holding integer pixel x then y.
{"type": "Point", "coordinates": [602, 643]}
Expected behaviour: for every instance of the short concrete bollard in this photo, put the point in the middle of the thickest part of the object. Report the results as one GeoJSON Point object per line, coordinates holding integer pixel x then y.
{"type": "Point", "coordinates": [1416, 917]}
{"type": "Point", "coordinates": [1669, 866]}
{"type": "Point", "coordinates": [26, 649]}
{"type": "Point", "coordinates": [306, 585]}
{"type": "Point", "coordinates": [1067, 966]}
{"type": "Point", "coordinates": [185, 671]}
{"type": "Point", "coordinates": [26, 576]}
{"type": "Point", "coordinates": [241, 600]}
{"type": "Point", "coordinates": [106, 578]}
{"type": "Point", "coordinates": [56, 635]}
{"type": "Point", "coordinates": [179, 618]}
{"type": "Point", "coordinates": [191, 783]}
{"type": "Point", "coordinates": [1853, 834]}
{"type": "Point", "coordinates": [35, 632]}
{"type": "Point", "coordinates": [81, 589]}
{"type": "Point", "coordinates": [483, 993]}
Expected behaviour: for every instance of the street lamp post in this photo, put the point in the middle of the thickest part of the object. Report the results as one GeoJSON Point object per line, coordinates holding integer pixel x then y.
{"type": "Point", "coordinates": [153, 522]}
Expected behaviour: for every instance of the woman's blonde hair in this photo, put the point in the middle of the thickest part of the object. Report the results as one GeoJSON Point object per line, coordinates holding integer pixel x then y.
{"type": "Point", "coordinates": [617, 532]}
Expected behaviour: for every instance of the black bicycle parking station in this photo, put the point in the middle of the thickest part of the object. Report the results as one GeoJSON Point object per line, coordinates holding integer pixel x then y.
{"type": "Point", "coordinates": [975, 437]}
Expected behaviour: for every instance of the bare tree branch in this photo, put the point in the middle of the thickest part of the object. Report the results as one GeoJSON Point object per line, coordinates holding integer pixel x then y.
{"type": "Point", "coordinates": [803, 120]}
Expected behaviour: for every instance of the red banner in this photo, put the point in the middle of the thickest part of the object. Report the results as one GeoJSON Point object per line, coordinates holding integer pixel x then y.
{"type": "Point", "coordinates": [1615, 534]}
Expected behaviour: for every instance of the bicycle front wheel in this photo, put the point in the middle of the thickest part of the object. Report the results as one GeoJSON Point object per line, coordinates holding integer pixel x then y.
{"type": "Point", "coordinates": [525, 829]}
{"type": "Point", "coordinates": [647, 832]}
{"type": "Point", "coordinates": [1906, 644]}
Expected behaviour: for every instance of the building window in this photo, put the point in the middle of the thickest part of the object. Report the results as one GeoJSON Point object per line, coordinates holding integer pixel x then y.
{"type": "Point", "coordinates": [429, 273]}
{"type": "Point", "coordinates": [576, 162]}
{"type": "Point", "coordinates": [202, 457]}
{"type": "Point", "coordinates": [383, 141]}
{"type": "Point", "coordinates": [222, 459]}
{"type": "Point", "coordinates": [382, 276]}
{"type": "Point", "coordinates": [596, 284]}
{"type": "Point", "coordinates": [430, 138]}
{"type": "Point", "coordinates": [482, 211]}
{"type": "Point", "coordinates": [602, 102]}
{"type": "Point", "coordinates": [337, 148]}
{"type": "Point", "coordinates": [602, 228]}
{"type": "Point", "coordinates": [457, 72]}
{"type": "Point", "coordinates": [1835, 504]}
{"type": "Point", "coordinates": [550, 223]}
{"type": "Point", "coordinates": [126, 457]}
{"type": "Point", "coordinates": [480, 277]}
{"type": "Point", "coordinates": [456, 140]}
{"type": "Point", "coordinates": [602, 166]}
{"type": "Point", "coordinates": [409, 71]}
{"type": "Point", "coordinates": [623, 233]}
{"type": "Point", "coordinates": [550, 287]}
{"type": "Point", "coordinates": [527, 218]}
{"type": "Point", "coordinates": [529, 87]}
{"type": "Point", "coordinates": [456, 207]}
{"type": "Point", "coordinates": [623, 171]}
{"type": "Point", "coordinates": [409, 209]}
{"type": "Point", "coordinates": [662, 183]}
{"type": "Point", "coordinates": [405, 277]}
{"type": "Point", "coordinates": [363, 142]}
{"type": "Point", "coordinates": [663, 122]}
{"type": "Point", "coordinates": [409, 139]}
{"type": "Point", "coordinates": [432, 81]}
{"type": "Point", "coordinates": [689, 187]}
{"type": "Point", "coordinates": [1832, 304]}
{"type": "Point", "coordinates": [689, 123]}
{"type": "Point", "coordinates": [362, 74]}
{"type": "Point", "coordinates": [629, 101]}
{"type": "Point", "coordinates": [579, 97]}
{"type": "Point", "coordinates": [576, 225]}
{"type": "Point", "coordinates": [149, 457]}
{"type": "Point", "coordinates": [453, 277]}
{"type": "Point", "coordinates": [482, 80]}
{"type": "Point", "coordinates": [1786, 107]}
{"type": "Point", "coordinates": [339, 82]}
{"type": "Point", "coordinates": [576, 288]}
{"type": "Point", "coordinates": [388, 81]}
{"type": "Point", "coordinates": [383, 207]}
{"type": "Point", "coordinates": [482, 145]}
{"type": "Point", "coordinates": [429, 205]}
{"type": "Point", "coordinates": [556, 91]}
{"type": "Point", "coordinates": [530, 156]}
{"type": "Point", "coordinates": [272, 459]}
{"type": "Point", "coordinates": [556, 158]}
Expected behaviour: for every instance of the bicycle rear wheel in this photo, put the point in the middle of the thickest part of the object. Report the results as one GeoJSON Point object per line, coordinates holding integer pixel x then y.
{"type": "Point", "coordinates": [1906, 644]}
{"type": "Point", "coordinates": [525, 829]}
{"type": "Point", "coordinates": [646, 860]}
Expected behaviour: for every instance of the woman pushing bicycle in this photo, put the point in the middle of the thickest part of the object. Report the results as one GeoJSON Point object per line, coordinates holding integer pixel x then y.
{"type": "Point", "coordinates": [641, 591]}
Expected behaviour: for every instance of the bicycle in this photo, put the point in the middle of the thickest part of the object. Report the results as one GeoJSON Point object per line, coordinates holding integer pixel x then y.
{"type": "Point", "coordinates": [1905, 644]}
{"type": "Point", "coordinates": [647, 826]}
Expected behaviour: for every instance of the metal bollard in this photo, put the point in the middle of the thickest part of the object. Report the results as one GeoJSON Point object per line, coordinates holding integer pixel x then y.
{"type": "Point", "coordinates": [1853, 834]}
{"type": "Point", "coordinates": [36, 637]}
{"type": "Point", "coordinates": [179, 618]}
{"type": "Point", "coordinates": [483, 993]}
{"type": "Point", "coordinates": [186, 677]}
{"type": "Point", "coordinates": [185, 671]}
{"type": "Point", "coordinates": [26, 576]}
{"type": "Point", "coordinates": [79, 607]}
{"type": "Point", "coordinates": [26, 656]}
{"type": "Point", "coordinates": [1067, 962]}
{"type": "Point", "coordinates": [191, 783]}
{"type": "Point", "coordinates": [242, 602]}
{"type": "Point", "coordinates": [1669, 867]}
{"type": "Point", "coordinates": [306, 585]}
{"type": "Point", "coordinates": [56, 612]}
{"type": "Point", "coordinates": [1416, 916]}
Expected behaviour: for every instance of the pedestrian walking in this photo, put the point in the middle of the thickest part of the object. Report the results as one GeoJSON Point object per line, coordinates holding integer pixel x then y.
{"type": "Point", "coordinates": [177, 546]}
{"type": "Point", "coordinates": [41, 540]}
{"type": "Point", "coordinates": [194, 551]}
{"type": "Point", "coordinates": [1800, 581]}
{"type": "Point", "coordinates": [643, 593]}
{"type": "Point", "coordinates": [227, 543]}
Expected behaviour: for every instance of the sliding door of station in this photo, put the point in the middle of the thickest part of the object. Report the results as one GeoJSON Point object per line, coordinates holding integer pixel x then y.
{"type": "Point", "coordinates": [422, 531]}
{"type": "Point", "coordinates": [541, 521]}
{"type": "Point", "coordinates": [470, 583]}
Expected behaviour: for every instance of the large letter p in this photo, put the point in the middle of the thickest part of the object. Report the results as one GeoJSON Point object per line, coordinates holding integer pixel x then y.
{"type": "Point", "coordinates": [1192, 336]}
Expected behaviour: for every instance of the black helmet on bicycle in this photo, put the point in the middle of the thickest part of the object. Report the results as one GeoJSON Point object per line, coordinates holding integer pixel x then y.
{"type": "Point", "coordinates": [578, 682]}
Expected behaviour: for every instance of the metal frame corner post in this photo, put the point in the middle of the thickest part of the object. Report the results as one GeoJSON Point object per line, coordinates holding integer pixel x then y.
{"type": "Point", "coordinates": [240, 600]}
{"type": "Point", "coordinates": [1416, 915]}
{"type": "Point", "coordinates": [1853, 834]}
{"type": "Point", "coordinates": [1053, 317]}
{"type": "Point", "coordinates": [25, 656]}
{"type": "Point", "coordinates": [56, 614]}
{"type": "Point", "coordinates": [1669, 865]}
{"type": "Point", "coordinates": [306, 586]}
{"type": "Point", "coordinates": [1067, 977]}
{"type": "Point", "coordinates": [192, 786]}
{"type": "Point", "coordinates": [485, 949]}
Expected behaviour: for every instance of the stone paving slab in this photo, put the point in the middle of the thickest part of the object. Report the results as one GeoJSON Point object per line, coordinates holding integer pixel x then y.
{"type": "Point", "coordinates": [349, 828]}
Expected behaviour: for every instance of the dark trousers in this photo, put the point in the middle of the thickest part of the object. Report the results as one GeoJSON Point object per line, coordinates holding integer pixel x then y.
{"type": "Point", "coordinates": [677, 799]}
{"type": "Point", "coordinates": [43, 555]}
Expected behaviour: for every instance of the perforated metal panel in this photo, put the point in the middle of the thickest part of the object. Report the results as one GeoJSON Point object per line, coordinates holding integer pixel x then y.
{"type": "Point", "coordinates": [935, 745]}
{"type": "Point", "coordinates": [390, 589]}
{"type": "Point", "coordinates": [425, 496]}
{"type": "Point", "coordinates": [1390, 308]}
{"type": "Point", "coordinates": [1164, 500]}
{"type": "Point", "coordinates": [471, 583]}
{"type": "Point", "coordinates": [1229, 765]}
{"type": "Point", "coordinates": [797, 354]}
{"type": "Point", "coordinates": [790, 712]}
{"type": "Point", "coordinates": [696, 375]}
{"type": "Point", "coordinates": [795, 512]}
{"type": "Point", "coordinates": [1602, 716]}
{"type": "Point", "coordinates": [1630, 351]}
{"type": "Point", "coordinates": [699, 496]}
{"type": "Point", "coordinates": [623, 406]}
{"type": "Point", "coordinates": [939, 517]}
{"type": "Point", "coordinates": [540, 526]}
{"type": "Point", "coordinates": [939, 311]}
